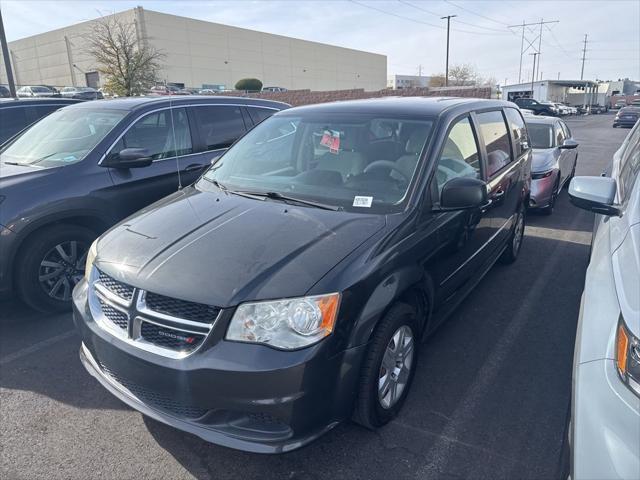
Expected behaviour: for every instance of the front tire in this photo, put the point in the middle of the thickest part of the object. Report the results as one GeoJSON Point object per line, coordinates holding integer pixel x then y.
{"type": "Point", "coordinates": [388, 368]}
{"type": "Point", "coordinates": [510, 254]}
{"type": "Point", "coordinates": [51, 264]}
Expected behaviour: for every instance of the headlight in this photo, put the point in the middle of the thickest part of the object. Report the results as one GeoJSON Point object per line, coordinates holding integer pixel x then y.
{"type": "Point", "coordinates": [628, 357]}
{"type": "Point", "coordinates": [288, 324]}
{"type": "Point", "coordinates": [91, 256]}
{"type": "Point", "coordinates": [539, 175]}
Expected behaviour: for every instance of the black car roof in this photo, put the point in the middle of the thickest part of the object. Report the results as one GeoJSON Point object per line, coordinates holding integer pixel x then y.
{"type": "Point", "coordinates": [430, 106]}
{"type": "Point", "coordinates": [14, 102]}
{"type": "Point", "coordinates": [139, 103]}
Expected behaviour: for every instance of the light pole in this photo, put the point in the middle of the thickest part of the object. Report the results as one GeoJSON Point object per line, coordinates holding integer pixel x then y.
{"type": "Point", "coordinates": [7, 59]}
{"type": "Point", "coordinates": [446, 71]}
{"type": "Point", "coordinates": [533, 75]}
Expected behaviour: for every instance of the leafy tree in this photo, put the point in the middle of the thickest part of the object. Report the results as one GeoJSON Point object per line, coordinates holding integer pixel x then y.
{"type": "Point", "coordinates": [249, 84]}
{"type": "Point", "coordinates": [129, 63]}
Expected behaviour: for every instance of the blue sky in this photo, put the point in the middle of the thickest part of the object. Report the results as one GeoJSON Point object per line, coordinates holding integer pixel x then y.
{"type": "Point", "coordinates": [409, 32]}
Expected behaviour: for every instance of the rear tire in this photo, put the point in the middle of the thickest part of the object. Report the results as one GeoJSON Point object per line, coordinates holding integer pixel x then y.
{"type": "Point", "coordinates": [387, 373]}
{"type": "Point", "coordinates": [514, 245]}
{"type": "Point", "coordinates": [50, 265]}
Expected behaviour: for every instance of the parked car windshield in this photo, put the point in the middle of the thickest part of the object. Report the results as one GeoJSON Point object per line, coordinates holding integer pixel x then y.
{"type": "Point", "coordinates": [540, 135]}
{"type": "Point", "coordinates": [354, 161]}
{"type": "Point", "coordinates": [66, 136]}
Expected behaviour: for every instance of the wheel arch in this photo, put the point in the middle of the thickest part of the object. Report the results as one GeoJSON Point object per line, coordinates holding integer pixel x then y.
{"type": "Point", "coordinates": [86, 219]}
{"type": "Point", "coordinates": [412, 286]}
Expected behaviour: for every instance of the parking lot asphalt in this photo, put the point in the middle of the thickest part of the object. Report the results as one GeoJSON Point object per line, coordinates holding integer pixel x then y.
{"type": "Point", "coordinates": [490, 397]}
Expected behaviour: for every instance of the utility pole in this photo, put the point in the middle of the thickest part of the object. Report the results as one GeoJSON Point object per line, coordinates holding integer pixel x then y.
{"type": "Point", "coordinates": [533, 73]}
{"type": "Point", "coordinates": [7, 58]}
{"type": "Point", "coordinates": [420, 70]}
{"type": "Point", "coordinates": [584, 52]}
{"type": "Point", "coordinates": [530, 42]}
{"type": "Point", "coordinates": [446, 70]}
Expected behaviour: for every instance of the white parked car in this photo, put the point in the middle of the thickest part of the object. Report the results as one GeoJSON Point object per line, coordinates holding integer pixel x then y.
{"type": "Point", "coordinates": [605, 415]}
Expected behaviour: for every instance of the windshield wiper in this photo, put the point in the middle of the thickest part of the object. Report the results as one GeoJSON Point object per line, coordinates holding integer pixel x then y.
{"type": "Point", "coordinates": [288, 199]}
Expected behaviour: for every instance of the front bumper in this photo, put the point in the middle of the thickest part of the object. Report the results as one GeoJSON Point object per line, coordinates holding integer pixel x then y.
{"type": "Point", "coordinates": [542, 191]}
{"type": "Point", "coordinates": [242, 396]}
{"type": "Point", "coordinates": [605, 427]}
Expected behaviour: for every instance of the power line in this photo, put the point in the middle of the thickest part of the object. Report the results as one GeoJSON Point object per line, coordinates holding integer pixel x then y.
{"type": "Point", "coordinates": [457, 21]}
{"type": "Point", "coordinates": [476, 13]}
{"type": "Point", "coordinates": [538, 37]}
{"type": "Point", "coordinates": [371, 7]}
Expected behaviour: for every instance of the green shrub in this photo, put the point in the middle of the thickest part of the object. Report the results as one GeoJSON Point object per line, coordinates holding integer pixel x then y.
{"type": "Point", "coordinates": [249, 84]}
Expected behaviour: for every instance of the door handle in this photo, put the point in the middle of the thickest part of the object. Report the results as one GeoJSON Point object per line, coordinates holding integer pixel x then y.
{"type": "Point", "coordinates": [498, 195]}
{"type": "Point", "coordinates": [194, 167]}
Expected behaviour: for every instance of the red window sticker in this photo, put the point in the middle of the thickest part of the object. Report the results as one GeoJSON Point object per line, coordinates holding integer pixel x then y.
{"type": "Point", "coordinates": [331, 140]}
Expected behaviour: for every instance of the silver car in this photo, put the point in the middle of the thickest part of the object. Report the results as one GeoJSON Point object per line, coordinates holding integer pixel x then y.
{"type": "Point", "coordinates": [605, 411]}
{"type": "Point", "coordinates": [555, 156]}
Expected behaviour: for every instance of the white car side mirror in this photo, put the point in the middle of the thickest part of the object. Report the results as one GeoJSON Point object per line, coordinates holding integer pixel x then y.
{"type": "Point", "coordinates": [596, 194]}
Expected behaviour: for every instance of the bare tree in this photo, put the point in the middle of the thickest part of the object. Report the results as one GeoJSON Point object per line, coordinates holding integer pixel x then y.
{"type": "Point", "coordinates": [129, 63]}
{"type": "Point", "coordinates": [437, 80]}
{"type": "Point", "coordinates": [460, 75]}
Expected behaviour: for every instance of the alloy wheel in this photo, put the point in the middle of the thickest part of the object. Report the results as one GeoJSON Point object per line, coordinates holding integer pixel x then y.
{"type": "Point", "coordinates": [396, 367]}
{"type": "Point", "coordinates": [62, 268]}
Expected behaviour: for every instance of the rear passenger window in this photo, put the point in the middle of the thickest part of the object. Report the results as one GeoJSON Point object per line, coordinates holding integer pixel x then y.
{"type": "Point", "coordinates": [219, 126]}
{"type": "Point", "coordinates": [518, 130]}
{"type": "Point", "coordinates": [259, 114]}
{"type": "Point", "coordinates": [459, 157]}
{"type": "Point", "coordinates": [496, 139]}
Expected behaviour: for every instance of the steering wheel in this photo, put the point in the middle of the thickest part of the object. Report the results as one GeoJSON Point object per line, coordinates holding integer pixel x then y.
{"type": "Point", "coordinates": [378, 164]}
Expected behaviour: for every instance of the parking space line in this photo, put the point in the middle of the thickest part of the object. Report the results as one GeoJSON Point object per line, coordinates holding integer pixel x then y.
{"type": "Point", "coordinates": [24, 352]}
{"type": "Point", "coordinates": [438, 456]}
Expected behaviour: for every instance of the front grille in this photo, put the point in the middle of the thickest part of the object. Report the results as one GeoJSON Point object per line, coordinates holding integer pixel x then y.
{"type": "Point", "coordinates": [170, 338]}
{"type": "Point", "coordinates": [154, 399]}
{"type": "Point", "coordinates": [120, 289]}
{"type": "Point", "coordinates": [197, 312]}
{"type": "Point", "coordinates": [114, 315]}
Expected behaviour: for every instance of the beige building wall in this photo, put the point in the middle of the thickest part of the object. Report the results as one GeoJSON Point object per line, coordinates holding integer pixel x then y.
{"type": "Point", "coordinates": [199, 52]}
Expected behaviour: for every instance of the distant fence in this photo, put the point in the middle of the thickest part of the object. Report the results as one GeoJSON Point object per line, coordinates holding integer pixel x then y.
{"type": "Point", "coordinates": [307, 97]}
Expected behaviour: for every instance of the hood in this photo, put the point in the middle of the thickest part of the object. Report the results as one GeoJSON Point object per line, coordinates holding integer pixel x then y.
{"type": "Point", "coordinates": [18, 174]}
{"type": "Point", "coordinates": [223, 249]}
{"type": "Point", "coordinates": [544, 159]}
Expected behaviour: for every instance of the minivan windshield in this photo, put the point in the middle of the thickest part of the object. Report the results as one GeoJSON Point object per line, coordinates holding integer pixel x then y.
{"type": "Point", "coordinates": [540, 135]}
{"type": "Point", "coordinates": [358, 162]}
{"type": "Point", "coordinates": [66, 136]}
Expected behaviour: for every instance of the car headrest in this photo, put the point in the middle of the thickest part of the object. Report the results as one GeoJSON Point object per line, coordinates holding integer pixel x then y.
{"type": "Point", "coordinates": [416, 142]}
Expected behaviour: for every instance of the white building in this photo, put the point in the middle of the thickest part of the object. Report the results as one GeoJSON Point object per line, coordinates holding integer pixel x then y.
{"type": "Point", "coordinates": [573, 92]}
{"type": "Point", "coordinates": [397, 82]}
{"type": "Point", "coordinates": [200, 53]}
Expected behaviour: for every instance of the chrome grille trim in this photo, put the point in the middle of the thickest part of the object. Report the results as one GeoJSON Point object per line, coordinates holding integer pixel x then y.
{"type": "Point", "coordinates": [137, 313]}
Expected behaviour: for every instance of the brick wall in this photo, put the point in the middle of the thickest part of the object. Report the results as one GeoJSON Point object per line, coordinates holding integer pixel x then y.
{"type": "Point", "coordinates": [307, 97]}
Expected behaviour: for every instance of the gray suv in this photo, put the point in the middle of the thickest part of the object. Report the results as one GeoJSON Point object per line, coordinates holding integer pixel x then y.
{"type": "Point", "coordinates": [73, 174]}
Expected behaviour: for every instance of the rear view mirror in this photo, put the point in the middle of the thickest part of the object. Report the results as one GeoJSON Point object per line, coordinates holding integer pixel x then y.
{"type": "Point", "coordinates": [129, 158]}
{"type": "Point", "coordinates": [595, 194]}
{"type": "Point", "coordinates": [568, 144]}
{"type": "Point", "coordinates": [463, 193]}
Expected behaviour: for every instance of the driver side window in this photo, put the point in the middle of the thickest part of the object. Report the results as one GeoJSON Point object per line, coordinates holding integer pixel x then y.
{"type": "Point", "coordinates": [459, 157]}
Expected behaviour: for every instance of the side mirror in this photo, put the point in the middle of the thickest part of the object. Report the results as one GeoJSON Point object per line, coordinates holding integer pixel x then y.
{"type": "Point", "coordinates": [569, 144]}
{"type": "Point", "coordinates": [129, 158]}
{"type": "Point", "coordinates": [595, 194]}
{"type": "Point", "coordinates": [463, 193]}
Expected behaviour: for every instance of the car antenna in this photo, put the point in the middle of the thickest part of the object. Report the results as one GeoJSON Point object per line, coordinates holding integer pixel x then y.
{"type": "Point", "coordinates": [175, 144]}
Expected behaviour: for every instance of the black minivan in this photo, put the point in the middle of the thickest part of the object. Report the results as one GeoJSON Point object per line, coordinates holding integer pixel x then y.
{"type": "Point", "coordinates": [81, 169]}
{"type": "Point", "coordinates": [288, 288]}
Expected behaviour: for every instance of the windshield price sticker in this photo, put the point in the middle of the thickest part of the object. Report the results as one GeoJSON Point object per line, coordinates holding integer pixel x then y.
{"type": "Point", "coordinates": [362, 202]}
{"type": "Point", "coordinates": [331, 139]}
